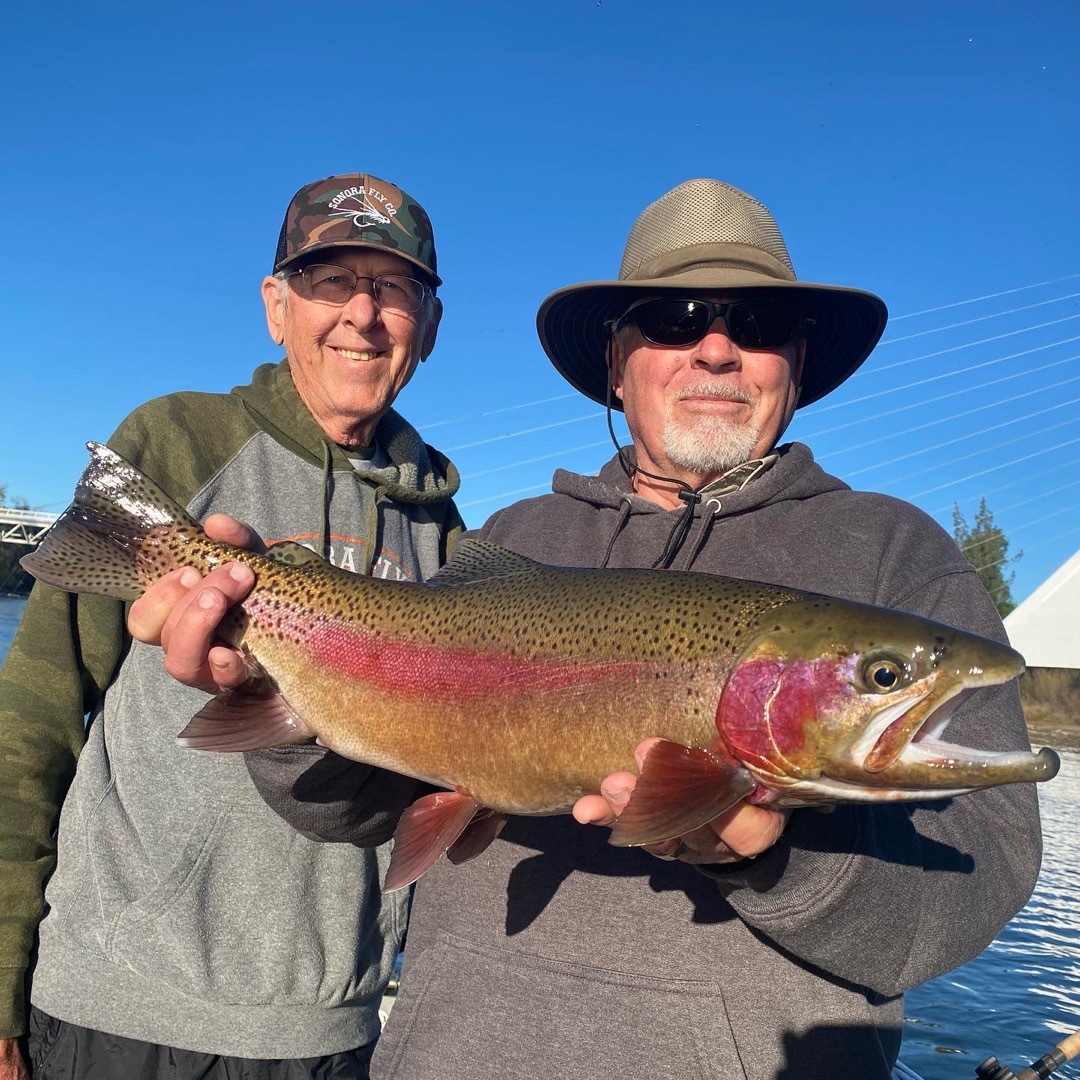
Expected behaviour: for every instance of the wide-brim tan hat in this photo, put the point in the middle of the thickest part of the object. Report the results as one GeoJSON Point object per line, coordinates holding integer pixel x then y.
{"type": "Point", "coordinates": [705, 236]}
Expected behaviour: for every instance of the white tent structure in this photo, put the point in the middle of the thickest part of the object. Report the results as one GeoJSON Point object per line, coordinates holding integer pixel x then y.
{"type": "Point", "coordinates": [1046, 626]}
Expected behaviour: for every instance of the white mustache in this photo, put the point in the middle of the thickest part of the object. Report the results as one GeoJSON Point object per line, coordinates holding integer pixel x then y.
{"type": "Point", "coordinates": [726, 393]}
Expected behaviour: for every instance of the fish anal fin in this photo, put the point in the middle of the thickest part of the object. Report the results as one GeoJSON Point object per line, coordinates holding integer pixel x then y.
{"type": "Point", "coordinates": [678, 789]}
{"type": "Point", "coordinates": [426, 829]}
{"type": "Point", "coordinates": [477, 835]}
{"type": "Point", "coordinates": [235, 721]}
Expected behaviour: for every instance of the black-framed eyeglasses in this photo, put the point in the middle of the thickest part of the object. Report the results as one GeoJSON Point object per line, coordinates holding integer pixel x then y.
{"type": "Point", "coordinates": [326, 283]}
{"type": "Point", "coordinates": [674, 322]}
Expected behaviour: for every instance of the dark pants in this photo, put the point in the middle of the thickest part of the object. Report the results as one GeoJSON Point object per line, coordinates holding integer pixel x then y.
{"type": "Point", "coordinates": [62, 1051]}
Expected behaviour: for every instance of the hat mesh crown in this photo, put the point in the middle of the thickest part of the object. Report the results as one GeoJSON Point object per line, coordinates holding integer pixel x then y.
{"type": "Point", "coordinates": [702, 212]}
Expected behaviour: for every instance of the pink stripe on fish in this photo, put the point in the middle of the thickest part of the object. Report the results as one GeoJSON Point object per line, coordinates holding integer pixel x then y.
{"type": "Point", "coordinates": [403, 667]}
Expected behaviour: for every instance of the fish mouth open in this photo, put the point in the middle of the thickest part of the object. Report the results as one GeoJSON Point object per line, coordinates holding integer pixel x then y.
{"type": "Point", "coordinates": [902, 749]}
{"type": "Point", "coordinates": [910, 729]}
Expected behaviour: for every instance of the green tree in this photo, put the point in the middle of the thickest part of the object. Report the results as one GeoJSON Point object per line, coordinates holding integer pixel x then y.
{"type": "Point", "coordinates": [13, 578]}
{"type": "Point", "coordinates": [987, 549]}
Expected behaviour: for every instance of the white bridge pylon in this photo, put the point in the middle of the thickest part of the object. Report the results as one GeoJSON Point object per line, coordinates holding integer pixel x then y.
{"type": "Point", "coordinates": [24, 526]}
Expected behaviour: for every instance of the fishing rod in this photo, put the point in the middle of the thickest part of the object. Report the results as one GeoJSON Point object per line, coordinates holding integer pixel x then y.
{"type": "Point", "coordinates": [1066, 1050]}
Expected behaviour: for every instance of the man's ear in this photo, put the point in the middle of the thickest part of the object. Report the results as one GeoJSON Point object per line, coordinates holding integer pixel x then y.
{"type": "Point", "coordinates": [432, 328]}
{"type": "Point", "coordinates": [615, 366]}
{"type": "Point", "coordinates": [275, 304]}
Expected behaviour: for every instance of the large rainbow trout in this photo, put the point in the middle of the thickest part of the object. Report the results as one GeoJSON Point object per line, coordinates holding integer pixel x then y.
{"type": "Point", "coordinates": [518, 687]}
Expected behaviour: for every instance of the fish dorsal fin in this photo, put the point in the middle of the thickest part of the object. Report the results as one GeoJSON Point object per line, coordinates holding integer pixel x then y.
{"type": "Point", "coordinates": [291, 553]}
{"type": "Point", "coordinates": [481, 560]}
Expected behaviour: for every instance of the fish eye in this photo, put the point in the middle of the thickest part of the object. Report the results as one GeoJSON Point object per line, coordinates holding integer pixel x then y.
{"type": "Point", "coordinates": [882, 675]}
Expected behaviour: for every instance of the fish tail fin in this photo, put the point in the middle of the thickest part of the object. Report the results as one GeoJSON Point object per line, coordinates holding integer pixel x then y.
{"type": "Point", "coordinates": [95, 545]}
{"type": "Point", "coordinates": [678, 789]}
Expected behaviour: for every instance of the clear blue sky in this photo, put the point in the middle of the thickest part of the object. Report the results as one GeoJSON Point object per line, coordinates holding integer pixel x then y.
{"type": "Point", "coordinates": [924, 151]}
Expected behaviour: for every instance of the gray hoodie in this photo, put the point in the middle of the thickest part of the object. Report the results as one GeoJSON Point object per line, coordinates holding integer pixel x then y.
{"type": "Point", "coordinates": [554, 955]}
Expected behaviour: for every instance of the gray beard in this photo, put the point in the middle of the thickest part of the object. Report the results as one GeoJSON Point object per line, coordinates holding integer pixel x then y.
{"type": "Point", "coordinates": [709, 445]}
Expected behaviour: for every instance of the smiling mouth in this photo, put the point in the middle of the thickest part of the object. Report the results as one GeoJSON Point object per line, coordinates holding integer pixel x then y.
{"type": "Point", "coordinates": [354, 354]}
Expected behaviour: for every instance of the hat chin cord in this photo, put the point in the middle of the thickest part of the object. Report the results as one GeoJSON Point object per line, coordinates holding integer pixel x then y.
{"type": "Point", "coordinates": [686, 492]}
{"type": "Point", "coordinates": [790, 416]}
{"type": "Point", "coordinates": [689, 496]}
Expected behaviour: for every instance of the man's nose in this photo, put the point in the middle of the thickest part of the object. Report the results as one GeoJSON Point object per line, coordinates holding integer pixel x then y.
{"type": "Point", "coordinates": [716, 349]}
{"type": "Point", "coordinates": [362, 309]}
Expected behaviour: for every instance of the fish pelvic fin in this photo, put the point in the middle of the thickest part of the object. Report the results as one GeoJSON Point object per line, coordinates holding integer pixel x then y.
{"type": "Point", "coordinates": [428, 828]}
{"type": "Point", "coordinates": [236, 721]}
{"type": "Point", "coordinates": [94, 545]}
{"type": "Point", "coordinates": [477, 835]}
{"type": "Point", "coordinates": [678, 789]}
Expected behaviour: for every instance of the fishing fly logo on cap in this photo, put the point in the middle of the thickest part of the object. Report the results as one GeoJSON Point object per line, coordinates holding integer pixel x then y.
{"type": "Point", "coordinates": [363, 203]}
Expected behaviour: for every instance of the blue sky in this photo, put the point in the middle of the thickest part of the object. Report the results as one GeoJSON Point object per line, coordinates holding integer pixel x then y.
{"type": "Point", "coordinates": [924, 151]}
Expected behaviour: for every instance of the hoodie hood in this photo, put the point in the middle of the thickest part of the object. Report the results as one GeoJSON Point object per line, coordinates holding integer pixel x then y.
{"type": "Point", "coordinates": [417, 474]}
{"type": "Point", "coordinates": [791, 473]}
{"type": "Point", "coordinates": [418, 478]}
{"type": "Point", "coordinates": [677, 536]}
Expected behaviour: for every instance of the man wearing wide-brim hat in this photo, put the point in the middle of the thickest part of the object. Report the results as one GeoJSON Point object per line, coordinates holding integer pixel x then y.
{"type": "Point", "coordinates": [700, 238]}
{"type": "Point", "coordinates": [760, 945]}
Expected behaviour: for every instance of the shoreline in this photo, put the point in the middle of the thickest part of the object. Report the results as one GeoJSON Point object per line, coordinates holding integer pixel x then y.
{"type": "Point", "coordinates": [1057, 734]}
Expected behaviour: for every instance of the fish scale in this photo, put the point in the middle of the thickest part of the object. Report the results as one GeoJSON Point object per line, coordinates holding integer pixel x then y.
{"type": "Point", "coordinates": [518, 687]}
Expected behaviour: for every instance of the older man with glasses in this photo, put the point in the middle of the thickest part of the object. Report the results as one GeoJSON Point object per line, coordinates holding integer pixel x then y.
{"type": "Point", "coordinates": [188, 931]}
{"type": "Point", "coordinates": [763, 944]}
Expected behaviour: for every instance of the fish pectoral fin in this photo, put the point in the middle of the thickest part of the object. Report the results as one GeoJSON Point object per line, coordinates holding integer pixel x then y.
{"type": "Point", "coordinates": [426, 829]}
{"type": "Point", "coordinates": [484, 827]}
{"type": "Point", "coordinates": [236, 721]}
{"type": "Point", "coordinates": [678, 789]}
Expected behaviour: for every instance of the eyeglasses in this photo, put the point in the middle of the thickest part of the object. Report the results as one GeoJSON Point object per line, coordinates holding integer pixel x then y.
{"type": "Point", "coordinates": [327, 284]}
{"type": "Point", "coordinates": [675, 322]}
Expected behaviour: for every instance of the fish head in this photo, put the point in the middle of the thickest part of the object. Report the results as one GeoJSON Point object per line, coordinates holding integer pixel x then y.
{"type": "Point", "coordinates": [832, 701]}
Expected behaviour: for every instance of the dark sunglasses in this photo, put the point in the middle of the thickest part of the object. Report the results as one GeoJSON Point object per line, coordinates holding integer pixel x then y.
{"type": "Point", "coordinates": [678, 321]}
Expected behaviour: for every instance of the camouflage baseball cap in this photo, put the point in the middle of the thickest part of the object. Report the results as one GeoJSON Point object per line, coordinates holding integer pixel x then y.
{"type": "Point", "coordinates": [357, 210]}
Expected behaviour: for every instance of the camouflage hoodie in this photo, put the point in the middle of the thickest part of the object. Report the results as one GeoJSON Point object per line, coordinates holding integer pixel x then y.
{"type": "Point", "coordinates": [183, 911]}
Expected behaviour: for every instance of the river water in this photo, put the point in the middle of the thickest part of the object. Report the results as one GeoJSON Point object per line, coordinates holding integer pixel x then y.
{"type": "Point", "coordinates": [1017, 999]}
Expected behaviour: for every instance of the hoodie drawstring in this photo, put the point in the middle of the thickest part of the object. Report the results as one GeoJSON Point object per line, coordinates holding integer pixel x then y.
{"type": "Point", "coordinates": [712, 512]}
{"type": "Point", "coordinates": [324, 525]}
{"type": "Point", "coordinates": [624, 514]}
{"type": "Point", "coordinates": [679, 531]}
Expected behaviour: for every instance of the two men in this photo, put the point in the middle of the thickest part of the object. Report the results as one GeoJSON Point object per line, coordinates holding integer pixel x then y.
{"type": "Point", "coordinates": [762, 945]}
{"type": "Point", "coordinates": [187, 926]}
